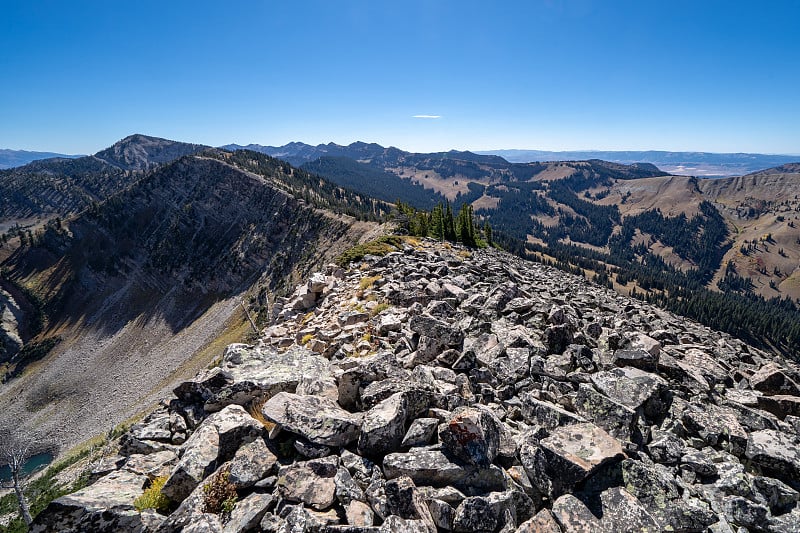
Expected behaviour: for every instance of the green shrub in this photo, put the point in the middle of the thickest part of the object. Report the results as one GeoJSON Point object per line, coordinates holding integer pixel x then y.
{"type": "Point", "coordinates": [153, 498]}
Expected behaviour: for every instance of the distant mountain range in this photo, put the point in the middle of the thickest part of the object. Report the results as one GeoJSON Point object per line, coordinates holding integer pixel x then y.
{"type": "Point", "coordinates": [700, 164]}
{"type": "Point", "coordinates": [17, 158]}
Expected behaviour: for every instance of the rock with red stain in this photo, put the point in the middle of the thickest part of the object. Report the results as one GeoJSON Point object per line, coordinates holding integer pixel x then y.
{"type": "Point", "coordinates": [472, 435]}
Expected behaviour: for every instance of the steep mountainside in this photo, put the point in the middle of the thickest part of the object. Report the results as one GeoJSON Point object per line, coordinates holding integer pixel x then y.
{"type": "Point", "coordinates": [442, 389]}
{"type": "Point", "coordinates": [60, 187]}
{"type": "Point", "coordinates": [17, 158]}
{"type": "Point", "coordinates": [133, 292]}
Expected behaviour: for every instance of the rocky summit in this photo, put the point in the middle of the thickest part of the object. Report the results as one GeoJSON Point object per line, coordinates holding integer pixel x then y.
{"type": "Point", "coordinates": [440, 388]}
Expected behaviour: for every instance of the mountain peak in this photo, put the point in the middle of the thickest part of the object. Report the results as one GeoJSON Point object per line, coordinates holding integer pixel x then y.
{"type": "Point", "coordinates": [140, 152]}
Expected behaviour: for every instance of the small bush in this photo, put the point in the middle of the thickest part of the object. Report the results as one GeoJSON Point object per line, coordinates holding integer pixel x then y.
{"type": "Point", "coordinates": [153, 498]}
{"type": "Point", "coordinates": [306, 338]}
{"type": "Point", "coordinates": [220, 494]}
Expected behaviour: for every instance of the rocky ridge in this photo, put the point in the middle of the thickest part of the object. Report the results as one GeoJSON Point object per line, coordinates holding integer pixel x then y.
{"type": "Point", "coordinates": [443, 389]}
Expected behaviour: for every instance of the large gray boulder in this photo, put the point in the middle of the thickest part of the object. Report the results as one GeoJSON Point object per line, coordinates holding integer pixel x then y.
{"type": "Point", "coordinates": [215, 441]}
{"type": "Point", "coordinates": [636, 389]}
{"type": "Point", "coordinates": [309, 482]}
{"type": "Point", "coordinates": [432, 467]}
{"type": "Point", "coordinates": [569, 455]}
{"type": "Point", "coordinates": [471, 435]}
{"type": "Point", "coordinates": [384, 426]}
{"type": "Point", "coordinates": [106, 505]}
{"type": "Point", "coordinates": [318, 419]}
{"type": "Point", "coordinates": [264, 372]}
{"type": "Point", "coordinates": [775, 452]}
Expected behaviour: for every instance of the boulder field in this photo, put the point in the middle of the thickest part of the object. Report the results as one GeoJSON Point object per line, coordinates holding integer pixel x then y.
{"type": "Point", "coordinates": [446, 389]}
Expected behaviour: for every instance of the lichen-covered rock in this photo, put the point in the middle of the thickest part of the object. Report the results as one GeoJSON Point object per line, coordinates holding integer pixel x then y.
{"type": "Point", "coordinates": [404, 500]}
{"type": "Point", "coordinates": [384, 426]}
{"type": "Point", "coordinates": [569, 455]}
{"type": "Point", "coordinates": [546, 414]}
{"type": "Point", "coordinates": [436, 329]}
{"type": "Point", "coordinates": [542, 522]}
{"type": "Point", "coordinates": [318, 419]}
{"type": "Point", "coordinates": [471, 435]}
{"type": "Point", "coordinates": [432, 467]}
{"type": "Point", "coordinates": [251, 463]}
{"type": "Point", "coordinates": [617, 419]}
{"type": "Point", "coordinates": [775, 452]}
{"type": "Point", "coordinates": [635, 389]}
{"type": "Point", "coordinates": [310, 482]}
{"type": "Point", "coordinates": [264, 372]}
{"type": "Point", "coordinates": [420, 432]}
{"type": "Point", "coordinates": [771, 379]}
{"type": "Point", "coordinates": [248, 513]}
{"type": "Point", "coordinates": [107, 505]}
{"type": "Point", "coordinates": [199, 459]}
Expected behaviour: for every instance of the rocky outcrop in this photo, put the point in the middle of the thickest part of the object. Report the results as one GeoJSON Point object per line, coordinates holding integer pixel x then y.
{"type": "Point", "coordinates": [443, 389]}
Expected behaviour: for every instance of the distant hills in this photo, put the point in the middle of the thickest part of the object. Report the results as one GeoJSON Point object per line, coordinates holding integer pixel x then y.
{"type": "Point", "coordinates": [17, 158]}
{"type": "Point", "coordinates": [700, 164]}
{"type": "Point", "coordinates": [631, 226]}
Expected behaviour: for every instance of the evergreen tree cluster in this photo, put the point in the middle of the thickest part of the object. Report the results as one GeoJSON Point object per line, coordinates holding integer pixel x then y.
{"type": "Point", "coordinates": [440, 223]}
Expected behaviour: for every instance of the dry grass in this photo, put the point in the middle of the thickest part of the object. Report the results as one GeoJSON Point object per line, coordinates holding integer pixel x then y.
{"type": "Point", "coordinates": [368, 282]}
{"type": "Point", "coordinates": [381, 307]}
{"type": "Point", "coordinates": [255, 411]}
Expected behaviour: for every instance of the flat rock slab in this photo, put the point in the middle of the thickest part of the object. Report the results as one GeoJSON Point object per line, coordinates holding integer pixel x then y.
{"type": "Point", "coordinates": [318, 419]}
{"type": "Point", "coordinates": [780, 405]}
{"type": "Point", "coordinates": [571, 454]}
{"type": "Point", "coordinates": [107, 505]}
{"type": "Point", "coordinates": [776, 452]}
{"type": "Point", "coordinates": [631, 387]}
{"type": "Point", "coordinates": [434, 468]}
{"type": "Point", "coordinates": [264, 372]}
{"type": "Point", "coordinates": [770, 379]}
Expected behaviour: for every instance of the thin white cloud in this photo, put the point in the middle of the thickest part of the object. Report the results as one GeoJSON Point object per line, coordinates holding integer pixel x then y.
{"type": "Point", "coordinates": [427, 116]}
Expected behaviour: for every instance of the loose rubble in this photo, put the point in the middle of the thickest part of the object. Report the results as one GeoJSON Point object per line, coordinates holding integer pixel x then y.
{"type": "Point", "coordinates": [444, 389]}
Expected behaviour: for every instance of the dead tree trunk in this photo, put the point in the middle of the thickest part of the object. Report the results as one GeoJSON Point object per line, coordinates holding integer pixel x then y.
{"type": "Point", "coordinates": [23, 504]}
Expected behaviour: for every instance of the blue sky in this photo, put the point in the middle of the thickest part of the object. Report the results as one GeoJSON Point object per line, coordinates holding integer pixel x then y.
{"type": "Point", "coordinates": [697, 75]}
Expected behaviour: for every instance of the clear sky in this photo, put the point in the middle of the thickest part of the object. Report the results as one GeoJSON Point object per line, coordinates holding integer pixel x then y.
{"type": "Point", "coordinates": [647, 74]}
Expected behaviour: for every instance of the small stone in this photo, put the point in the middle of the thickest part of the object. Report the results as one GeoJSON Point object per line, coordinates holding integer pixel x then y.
{"type": "Point", "coordinates": [248, 513]}
{"type": "Point", "coordinates": [359, 514]}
